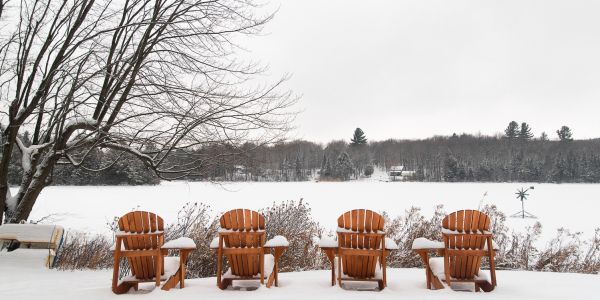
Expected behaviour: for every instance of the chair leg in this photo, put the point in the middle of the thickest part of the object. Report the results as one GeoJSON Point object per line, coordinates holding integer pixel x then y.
{"type": "Point", "coordinates": [383, 267]}
{"type": "Point", "coordinates": [158, 265]}
{"type": "Point", "coordinates": [115, 279]}
{"type": "Point", "coordinates": [262, 267]}
{"type": "Point", "coordinates": [447, 269]}
{"type": "Point", "coordinates": [219, 264]}
{"type": "Point", "coordinates": [340, 270]}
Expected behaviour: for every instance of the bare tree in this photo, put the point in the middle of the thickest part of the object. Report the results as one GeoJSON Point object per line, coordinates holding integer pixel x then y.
{"type": "Point", "coordinates": [152, 78]}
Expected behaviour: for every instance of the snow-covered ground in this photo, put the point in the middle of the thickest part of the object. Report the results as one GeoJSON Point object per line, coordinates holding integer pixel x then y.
{"type": "Point", "coordinates": [574, 206]}
{"type": "Point", "coordinates": [23, 277]}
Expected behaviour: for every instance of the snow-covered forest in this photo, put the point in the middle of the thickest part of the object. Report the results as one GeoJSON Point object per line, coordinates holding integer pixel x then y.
{"type": "Point", "coordinates": [508, 157]}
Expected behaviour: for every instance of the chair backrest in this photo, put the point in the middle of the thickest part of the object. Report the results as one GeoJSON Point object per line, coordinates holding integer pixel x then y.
{"type": "Point", "coordinates": [240, 224]}
{"type": "Point", "coordinates": [352, 226]}
{"type": "Point", "coordinates": [243, 230]}
{"type": "Point", "coordinates": [465, 231]}
{"type": "Point", "coordinates": [360, 229]}
{"type": "Point", "coordinates": [140, 222]}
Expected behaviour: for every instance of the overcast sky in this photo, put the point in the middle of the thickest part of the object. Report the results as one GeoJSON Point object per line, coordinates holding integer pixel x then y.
{"type": "Point", "coordinates": [413, 69]}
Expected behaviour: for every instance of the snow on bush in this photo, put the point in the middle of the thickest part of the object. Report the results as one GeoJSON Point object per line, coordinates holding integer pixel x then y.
{"type": "Point", "coordinates": [293, 220]}
{"type": "Point", "coordinates": [567, 252]}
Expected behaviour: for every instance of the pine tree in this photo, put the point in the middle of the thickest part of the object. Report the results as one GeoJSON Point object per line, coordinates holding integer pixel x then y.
{"type": "Point", "coordinates": [451, 169]}
{"type": "Point", "coordinates": [298, 167]}
{"type": "Point", "coordinates": [359, 138]}
{"type": "Point", "coordinates": [565, 134]}
{"type": "Point", "coordinates": [544, 137]}
{"type": "Point", "coordinates": [525, 133]}
{"type": "Point", "coordinates": [512, 131]}
{"type": "Point", "coordinates": [323, 163]}
{"type": "Point", "coordinates": [369, 170]}
{"type": "Point", "coordinates": [343, 167]}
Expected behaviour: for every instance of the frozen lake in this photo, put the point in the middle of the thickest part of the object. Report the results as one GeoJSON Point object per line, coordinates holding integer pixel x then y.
{"type": "Point", "coordinates": [574, 206]}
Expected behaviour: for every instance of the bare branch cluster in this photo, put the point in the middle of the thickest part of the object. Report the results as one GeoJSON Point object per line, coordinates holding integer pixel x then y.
{"type": "Point", "coordinates": [152, 78]}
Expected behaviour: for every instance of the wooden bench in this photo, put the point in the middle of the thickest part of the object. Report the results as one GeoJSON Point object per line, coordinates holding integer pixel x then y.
{"type": "Point", "coordinates": [33, 236]}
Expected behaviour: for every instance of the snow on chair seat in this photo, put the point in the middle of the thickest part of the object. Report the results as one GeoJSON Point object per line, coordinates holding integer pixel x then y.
{"type": "Point", "coordinates": [361, 247]}
{"type": "Point", "coordinates": [242, 241]}
{"type": "Point", "coordinates": [141, 241]}
{"type": "Point", "coordinates": [466, 242]}
{"type": "Point", "coordinates": [34, 236]}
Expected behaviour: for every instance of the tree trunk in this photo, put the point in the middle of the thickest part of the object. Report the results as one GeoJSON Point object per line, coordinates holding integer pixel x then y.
{"type": "Point", "coordinates": [8, 138]}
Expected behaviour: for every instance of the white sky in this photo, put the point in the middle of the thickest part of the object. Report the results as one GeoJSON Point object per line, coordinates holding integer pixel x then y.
{"type": "Point", "coordinates": [413, 69]}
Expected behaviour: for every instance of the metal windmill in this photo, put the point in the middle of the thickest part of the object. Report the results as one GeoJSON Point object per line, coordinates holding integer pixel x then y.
{"type": "Point", "coordinates": [522, 195]}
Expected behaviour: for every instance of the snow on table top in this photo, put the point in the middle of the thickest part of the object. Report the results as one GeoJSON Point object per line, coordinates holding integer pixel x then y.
{"type": "Point", "coordinates": [277, 241]}
{"type": "Point", "coordinates": [28, 232]}
{"type": "Point", "coordinates": [424, 243]}
{"type": "Point", "coordinates": [180, 243]}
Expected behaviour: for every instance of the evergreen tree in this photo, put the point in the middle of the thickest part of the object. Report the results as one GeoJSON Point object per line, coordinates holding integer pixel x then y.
{"type": "Point", "coordinates": [512, 131]}
{"type": "Point", "coordinates": [525, 133]}
{"type": "Point", "coordinates": [298, 169]}
{"type": "Point", "coordinates": [544, 137]}
{"type": "Point", "coordinates": [359, 138]}
{"type": "Point", "coordinates": [451, 169]}
{"type": "Point", "coordinates": [369, 170]}
{"type": "Point", "coordinates": [559, 170]}
{"type": "Point", "coordinates": [343, 167]}
{"type": "Point", "coordinates": [565, 134]}
{"type": "Point", "coordinates": [323, 163]}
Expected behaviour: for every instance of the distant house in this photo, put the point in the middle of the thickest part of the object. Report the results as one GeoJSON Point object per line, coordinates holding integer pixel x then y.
{"type": "Point", "coordinates": [397, 173]}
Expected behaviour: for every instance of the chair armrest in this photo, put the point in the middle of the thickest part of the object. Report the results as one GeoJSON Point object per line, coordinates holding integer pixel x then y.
{"type": "Point", "coordinates": [180, 243]}
{"type": "Point", "coordinates": [390, 244]}
{"type": "Point", "coordinates": [427, 244]}
{"type": "Point", "coordinates": [214, 244]}
{"type": "Point", "coordinates": [328, 243]}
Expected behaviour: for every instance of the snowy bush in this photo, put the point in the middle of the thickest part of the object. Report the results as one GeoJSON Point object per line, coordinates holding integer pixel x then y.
{"type": "Point", "coordinates": [404, 229]}
{"type": "Point", "coordinates": [567, 252]}
{"type": "Point", "coordinates": [194, 221]}
{"type": "Point", "coordinates": [293, 220]}
{"type": "Point", "coordinates": [81, 251]}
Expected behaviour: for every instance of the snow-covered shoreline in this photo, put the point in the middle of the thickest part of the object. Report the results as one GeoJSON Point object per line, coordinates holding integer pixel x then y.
{"type": "Point", "coordinates": [90, 208]}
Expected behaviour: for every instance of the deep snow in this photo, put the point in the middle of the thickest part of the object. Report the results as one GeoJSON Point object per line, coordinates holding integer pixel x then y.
{"type": "Point", "coordinates": [22, 276]}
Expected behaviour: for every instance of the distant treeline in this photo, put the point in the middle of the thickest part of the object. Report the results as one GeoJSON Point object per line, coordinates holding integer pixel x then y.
{"type": "Point", "coordinates": [514, 156]}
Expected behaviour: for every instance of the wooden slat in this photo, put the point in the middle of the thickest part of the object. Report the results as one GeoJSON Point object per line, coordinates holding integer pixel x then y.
{"type": "Point", "coordinates": [137, 216]}
{"type": "Point", "coordinates": [153, 228]}
{"type": "Point", "coordinates": [465, 249]}
{"type": "Point", "coordinates": [368, 220]}
{"type": "Point", "coordinates": [160, 223]}
{"type": "Point", "coordinates": [255, 220]}
{"type": "Point", "coordinates": [347, 220]}
{"type": "Point", "coordinates": [247, 220]}
{"type": "Point", "coordinates": [468, 220]}
{"type": "Point", "coordinates": [452, 221]}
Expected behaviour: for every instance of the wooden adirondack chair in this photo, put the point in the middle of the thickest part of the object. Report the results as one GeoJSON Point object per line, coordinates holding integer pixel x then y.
{"type": "Point", "coordinates": [361, 247]}
{"type": "Point", "coordinates": [142, 237]}
{"type": "Point", "coordinates": [242, 241]}
{"type": "Point", "coordinates": [467, 240]}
